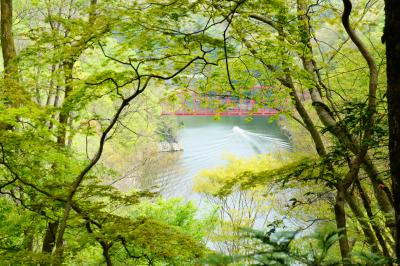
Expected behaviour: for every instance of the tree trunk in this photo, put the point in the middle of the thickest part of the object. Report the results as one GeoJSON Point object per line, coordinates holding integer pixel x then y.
{"type": "Point", "coordinates": [392, 39]}
{"type": "Point", "coordinates": [9, 54]}
{"type": "Point", "coordinates": [7, 40]}
{"type": "Point", "coordinates": [68, 67]}
{"type": "Point", "coordinates": [367, 206]}
{"type": "Point", "coordinates": [363, 221]}
{"type": "Point", "coordinates": [106, 254]}
{"type": "Point", "coordinates": [315, 135]}
{"type": "Point", "coordinates": [50, 237]}
{"type": "Point", "coordinates": [287, 81]}
{"type": "Point", "coordinates": [340, 216]}
{"type": "Point", "coordinates": [382, 195]}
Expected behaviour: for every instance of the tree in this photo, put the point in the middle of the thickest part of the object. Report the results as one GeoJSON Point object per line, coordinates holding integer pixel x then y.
{"type": "Point", "coordinates": [391, 38]}
{"type": "Point", "coordinates": [63, 185]}
{"type": "Point", "coordinates": [7, 40]}
{"type": "Point", "coordinates": [88, 72]}
{"type": "Point", "coordinates": [284, 33]}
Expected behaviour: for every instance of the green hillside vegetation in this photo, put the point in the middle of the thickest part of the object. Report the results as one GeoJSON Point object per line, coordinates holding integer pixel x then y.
{"type": "Point", "coordinates": [82, 90]}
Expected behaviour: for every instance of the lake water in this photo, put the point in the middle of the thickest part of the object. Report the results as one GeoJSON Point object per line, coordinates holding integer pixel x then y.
{"type": "Point", "coordinates": [206, 144]}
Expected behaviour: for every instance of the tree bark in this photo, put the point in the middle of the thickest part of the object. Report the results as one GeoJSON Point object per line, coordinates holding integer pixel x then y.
{"type": "Point", "coordinates": [68, 67]}
{"type": "Point", "coordinates": [9, 90]}
{"type": "Point", "coordinates": [315, 134]}
{"type": "Point", "coordinates": [7, 40]}
{"type": "Point", "coordinates": [367, 206]}
{"type": "Point", "coordinates": [106, 253]}
{"type": "Point", "coordinates": [340, 217]}
{"type": "Point", "coordinates": [392, 39]}
{"type": "Point", "coordinates": [363, 221]}
{"type": "Point", "coordinates": [104, 245]}
{"type": "Point", "coordinates": [50, 237]}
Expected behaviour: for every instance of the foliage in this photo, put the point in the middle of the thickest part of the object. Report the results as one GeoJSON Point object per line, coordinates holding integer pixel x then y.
{"type": "Point", "coordinates": [80, 102]}
{"type": "Point", "coordinates": [82, 75]}
{"type": "Point", "coordinates": [282, 247]}
{"type": "Point", "coordinates": [178, 213]}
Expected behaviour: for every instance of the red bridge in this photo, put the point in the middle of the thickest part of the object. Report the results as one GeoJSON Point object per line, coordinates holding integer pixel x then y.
{"type": "Point", "coordinates": [211, 105]}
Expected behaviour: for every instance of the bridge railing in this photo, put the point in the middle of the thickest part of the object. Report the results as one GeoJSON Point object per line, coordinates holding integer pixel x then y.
{"type": "Point", "coordinates": [210, 105]}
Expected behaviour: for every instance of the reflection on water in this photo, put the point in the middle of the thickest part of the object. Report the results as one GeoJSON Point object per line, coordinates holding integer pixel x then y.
{"type": "Point", "coordinates": [205, 143]}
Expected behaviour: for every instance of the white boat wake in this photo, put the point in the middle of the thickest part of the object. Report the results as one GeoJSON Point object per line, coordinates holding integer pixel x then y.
{"type": "Point", "coordinates": [254, 138]}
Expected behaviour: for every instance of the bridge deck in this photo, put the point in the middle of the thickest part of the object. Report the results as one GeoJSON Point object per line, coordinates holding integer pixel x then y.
{"type": "Point", "coordinates": [232, 112]}
{"type": "Point", "coordinates": [233, 106]}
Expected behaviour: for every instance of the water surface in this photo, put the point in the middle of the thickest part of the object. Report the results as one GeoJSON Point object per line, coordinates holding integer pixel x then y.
{"type": "Point", "coordinates": [207, 143]}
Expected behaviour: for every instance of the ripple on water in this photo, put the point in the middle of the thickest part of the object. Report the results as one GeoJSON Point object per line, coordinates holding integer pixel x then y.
{"type": "Point", "coordinates": [207, 141]}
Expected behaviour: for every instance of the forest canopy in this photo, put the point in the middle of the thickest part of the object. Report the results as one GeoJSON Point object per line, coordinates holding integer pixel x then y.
{"type": "Point", "coordinates": [84, 89]}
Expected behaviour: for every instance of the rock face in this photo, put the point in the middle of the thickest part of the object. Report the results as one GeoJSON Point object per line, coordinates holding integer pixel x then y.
{"type": "Point", "coordinates": [285, 130]}
{"type": "Point", "coordinates": [166, 146]}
